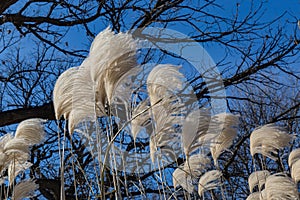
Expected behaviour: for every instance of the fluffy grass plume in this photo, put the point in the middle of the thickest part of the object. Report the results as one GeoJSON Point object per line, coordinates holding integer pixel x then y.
{"type": "Point", "coordinates": [258, 178]}
{"type": "Point", "coordinates": [24, 189]}
{"type": "Point", "coordinates": [183, 179]}
{"type": "Point", "coordinates": [209, 181]}
{"type": "Point", "coordinates": [225, 125]}
{"type": "Point", "coordinates": [63, 92]}
{"type": "Point", "coordinates": [31, 130]}
{"type": "Point", "coordinates": [254, 196]}
{"type": "Point", "coordinates": [162, 84]}
{"type": "Point", "coordinates": [294, 164]}
{"type": "Point", "coordinates": [196, 164]}
{"type": "Point", "coordinates": [280, 186]}
{"type": "Point", "coordinates": [82, 93]}
{"type": "Point", "coordinates": [195, 129]}
{"type": "Point", "coordinates": [268, 139]}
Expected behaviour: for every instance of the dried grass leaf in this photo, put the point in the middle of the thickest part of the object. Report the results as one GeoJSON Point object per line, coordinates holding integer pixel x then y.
{"type": "Point", "coordinates": [153, 148]}
{"type": "Point", "coordinates": [268, 139]}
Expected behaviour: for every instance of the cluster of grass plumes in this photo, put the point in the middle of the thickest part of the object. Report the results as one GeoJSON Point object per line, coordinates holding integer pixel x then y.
{"type": "Point", "coordinates": [14, 155]}
{"type": "Point", "coordinates": [88, 92]}
{"type": "Point", "coordinates": [84, 93]}
{"type": "Point", "coordinates": [213, 136]}
{"type": "Point", "coordinates": [174, 126]}
{"type": "Point", "coordinates": [267, 140]}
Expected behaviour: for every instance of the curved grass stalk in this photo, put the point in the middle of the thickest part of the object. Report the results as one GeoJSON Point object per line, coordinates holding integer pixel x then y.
{"type": "Point", "coordinates": [111, 141]}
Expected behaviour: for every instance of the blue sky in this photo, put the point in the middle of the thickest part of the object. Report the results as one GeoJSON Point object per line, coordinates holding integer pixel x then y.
{"type": "Point", "coordinates": [272, 10]}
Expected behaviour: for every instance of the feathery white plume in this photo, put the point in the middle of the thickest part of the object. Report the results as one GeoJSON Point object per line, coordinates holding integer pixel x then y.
{"type": "Point", "coordinates": [85, 105]}
{"type": "Point", "coordinates": [16, 147]}
{"type": "Point", "coordinates": [196, 164]}
{"type": "Point", "coordinates": [12, 150]}
{"type": "Point", "coordinates": [3, 161]}
{"type": "Point", "coordinates": [294, 156]}
{"type": "Point", "coordinates": [140, 118]}
{"type": "Point", "coordinates": [4, 158]}
{"type": "Point", "coordinates": [108, 47]}
{"type": "Point", "coordinates": [163, 81]}
{"type": "Point", "coordinates": [162, 84]}
{"type": "Point", "coordinates": [111, 57]}
{"type": "Point", "coordinates": [15, 151]}
{"type": "Point", "coordinates": [4, 139]}
{"type": "Point", "coordinates": [258, 178]}
{"type": "Point", "coordinates": [63, 92]}
{"type": "Point", "coordinates": [295, 171]}
{"type": "Point", "coordinates": [280, 186]}
{"type": "Point", "coordinates": [24, 189]}
{"type": "Point", "coordinates": [294, 164]}
{"type": "Point", "coordinates": [254, 196]}
{"type": "Point", "coordinates": [225, 125]}
{"type": "Point", "coordinates": [15, 167]}
{"type": "Point", "coordinates": [268, 139]}
{"type": "Point", "coordinates": [263, 195]}
{"type": "Point", "coordinates": [119, 69]}
{"type": "Point", "coordinates": [122, 100]}
{"type": "Point", "coordinates": [183, 179]}
{"type": "Point", "coordinates": [82, 93]}
{"type": "Point", "coordinates": [209, 181]}
{"type": "Point", "coordinates": [164, 133]}
{"type": "Point", "coordinates": [195, 128]}
{"type": "Point", "coordinates": [31, 130]}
